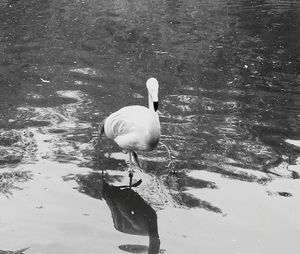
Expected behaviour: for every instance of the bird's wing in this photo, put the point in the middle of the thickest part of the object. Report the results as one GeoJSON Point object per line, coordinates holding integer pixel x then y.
{"type": "Point", "coordinates": [133, 128]}
{"type": "Point", "coordinates": [126, 120]}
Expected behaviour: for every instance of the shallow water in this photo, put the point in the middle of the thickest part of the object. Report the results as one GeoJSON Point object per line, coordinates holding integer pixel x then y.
{"type": "Point", "coordinates": [229, 111]}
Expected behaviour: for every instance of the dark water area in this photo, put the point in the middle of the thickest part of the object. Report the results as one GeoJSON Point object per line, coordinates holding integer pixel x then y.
{"type": "Point", "coordinates": [229, 71]}
{"type": "Point", "coordinates": [229, 75]}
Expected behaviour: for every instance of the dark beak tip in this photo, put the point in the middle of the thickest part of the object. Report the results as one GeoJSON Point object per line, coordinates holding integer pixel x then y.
{"type": "Point", "coordinates": [155, 105]}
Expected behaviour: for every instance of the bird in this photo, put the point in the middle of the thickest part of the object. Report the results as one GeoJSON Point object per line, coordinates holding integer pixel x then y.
{"type": "Point", "coordinates": [135, 128]}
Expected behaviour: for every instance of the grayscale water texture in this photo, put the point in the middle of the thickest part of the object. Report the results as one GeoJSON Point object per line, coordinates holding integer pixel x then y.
{"type": "Point", "coordinates": [229, 75]}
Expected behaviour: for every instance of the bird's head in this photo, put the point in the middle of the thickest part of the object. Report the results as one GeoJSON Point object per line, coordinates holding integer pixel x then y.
{"type": "Point", "coordinates": [152, 86]}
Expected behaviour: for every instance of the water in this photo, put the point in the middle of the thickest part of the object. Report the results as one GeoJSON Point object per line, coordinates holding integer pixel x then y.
{"type": "Point", "coordinates": [229, 110]}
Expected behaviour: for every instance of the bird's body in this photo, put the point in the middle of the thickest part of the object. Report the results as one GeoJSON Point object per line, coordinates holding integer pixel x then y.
{"type": "Point", "coordinates": [135, 128]}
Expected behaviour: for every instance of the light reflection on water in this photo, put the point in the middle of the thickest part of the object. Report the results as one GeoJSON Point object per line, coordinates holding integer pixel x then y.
{"type": "Point", "coordinates": [229, 85]}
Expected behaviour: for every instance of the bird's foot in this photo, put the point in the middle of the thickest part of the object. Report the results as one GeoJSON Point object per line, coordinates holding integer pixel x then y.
{"type": "Point", "coordinates": [130, 172]}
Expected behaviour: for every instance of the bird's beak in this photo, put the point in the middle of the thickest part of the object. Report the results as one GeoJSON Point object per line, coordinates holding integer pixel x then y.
{"type": "Point", "coordinates": [155, 100]}
{"type": "Point", "coordinates": [155, 105]}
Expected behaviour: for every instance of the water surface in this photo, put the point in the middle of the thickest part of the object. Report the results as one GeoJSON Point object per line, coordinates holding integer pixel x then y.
{"type": "Point", "coordinates": [230, 111]}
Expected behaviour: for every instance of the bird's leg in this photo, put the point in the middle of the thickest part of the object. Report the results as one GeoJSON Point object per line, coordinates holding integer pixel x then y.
{"type": "Point", "coordinates": [130, 170]}
{"type": "Point", "coordinates": [136, 159]}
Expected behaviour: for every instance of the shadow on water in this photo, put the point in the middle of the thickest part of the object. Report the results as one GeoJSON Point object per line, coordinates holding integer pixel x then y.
{"type": "Point", "coordinates": [131, 214]}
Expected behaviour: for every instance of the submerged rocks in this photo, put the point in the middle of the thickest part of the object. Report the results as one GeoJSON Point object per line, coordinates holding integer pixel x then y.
{"type": "Point", "coordinates": [10, 180]}
{"type": "Point", "coordinates": [10, 155]}
{"type": "Point", "coordinates": [14, 146]}
{"type": "Point", "coordinates": [8, 138]}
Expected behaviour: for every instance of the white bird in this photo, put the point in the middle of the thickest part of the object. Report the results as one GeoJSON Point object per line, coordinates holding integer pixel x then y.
{"type": "Point", "coordinates": [135, 128]}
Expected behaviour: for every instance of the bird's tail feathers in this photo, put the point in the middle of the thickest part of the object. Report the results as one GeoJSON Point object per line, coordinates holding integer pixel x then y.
{"type": "Point", "coordinates": [101, 130]}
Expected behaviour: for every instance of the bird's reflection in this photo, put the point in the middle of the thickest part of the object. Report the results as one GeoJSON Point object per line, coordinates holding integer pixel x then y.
{"type": "Point", "coordinates": [131, 214]}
